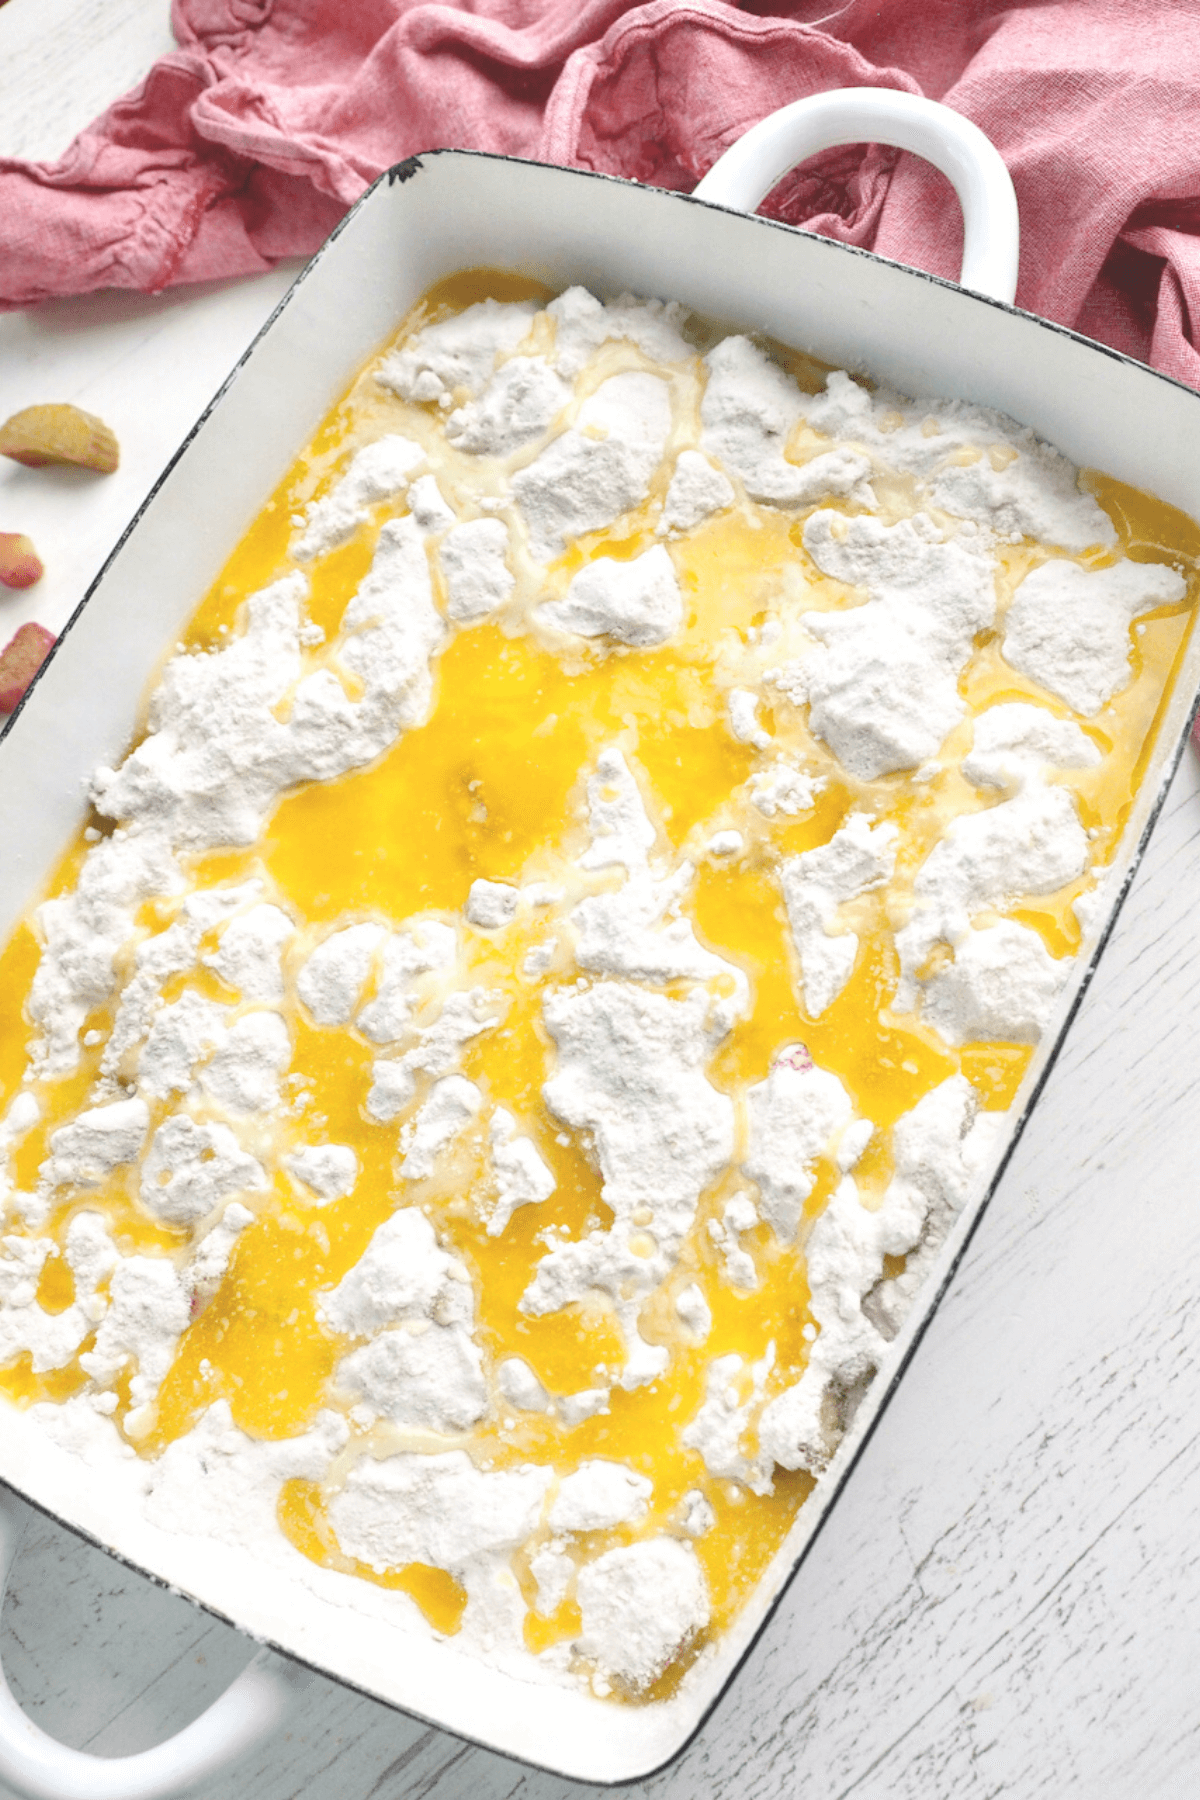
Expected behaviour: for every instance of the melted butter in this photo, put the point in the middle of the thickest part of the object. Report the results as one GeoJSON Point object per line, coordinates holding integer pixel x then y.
{"type": "Point", "coordinates": [21, 1384]}
{"type": "Point", "coordinates": [490, 785]}
{"type": "Point", "coordinates": [56, 1285]}
{"type": "Point", "coordinates": [302, 1520]}
{"type": "Point", "coordinates": [18, 965]}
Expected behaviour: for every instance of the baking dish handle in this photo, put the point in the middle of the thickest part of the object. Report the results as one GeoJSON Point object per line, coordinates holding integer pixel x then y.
{"type": "Point", "coordinates": [751, 167]}
{"type": "Point", "coordinates": [38, 1766]}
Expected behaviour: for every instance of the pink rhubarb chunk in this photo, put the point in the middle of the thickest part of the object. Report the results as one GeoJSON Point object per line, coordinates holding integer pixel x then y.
{"type": "Point", "coordinates": [20, 661]}
{"type": "Point", "coordinates": [20, 564]}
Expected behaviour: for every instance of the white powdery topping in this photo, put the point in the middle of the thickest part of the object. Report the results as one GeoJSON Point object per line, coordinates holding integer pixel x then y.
{"type": "Point", "coordinates": [149, 1306]}
{"type": "Point", "coordinates": [749, 409]}
{"type": "Point", "coordinates": [377, 472]}
{"type": "Point", "coordinates": [748, 412]}
{"type": "Point", "coordinates": [181, 1036]}
{"type": "Point", "coordinates": [428, 1378]}
{"type": "Point", "coordinates": [1068, 628]}
{"type": "Point", "coordinates": [794, 1115]}
{"type": "Point", "coordinates": [583, 482]}
{"type": "Point", "coordinates": [783, 788]}
{"type": "Point", "coordinates": [452, 1104]}
{"type": "Point", "coordinates": [737, 1265]}
{"type": "Point", "coordinates": [191, 1168]}
{"type": "Point", "coordinates": [697, 491]}
{"type": "Point", "coordinates": [1013, 484]}
{"type": "Point", "coordinates": [83, 1426]}
{"type": "Point", "coordinates": [211, 761]}
{"type": "Point", "coordinates": [582, 323]}
{"type": "Point", "coordinates": [1030, 844]}
{"type": "Point", "coordinates": [636, 602]}
{"type": "Point", "coordinates": [640, 1607]}
{"type": "Point", "coordinates": [243, 1074]}
{"type": "Point", "coordinates": [1092, 907]}
{"type": "Point", "coordinates": [491, 904]}
{"type": "Point", "coordinates": [554, 1571]}
{"type": "Point", "coordinates": [915, 437]}
{"type": "Point", "coordinates": [1001, 987]}
{"type": "Point", "coordinates": [457, 353]}
{"type": "Point", "coordinates": [391, 631]}
{"type": "Point", "coordinates": [586, 1403]}
{"type": "Point", "coordinates": [522, 1177]}
{"type": "Point", "coordinates": [539, 959]}
{"type": "Point", "coordinates": [1002, 984]}
{"type": "Point", "coordinates": [520, 1386]}
{"type": "Point", "coordinates": [1035, 495]}
{"type": "Point", "coordinates": [941, 1149]}
{"type": "Point", "coordinates": [620, 827]}
{"type": "Point", "coordinates": [475, 569]}
{"type": "Point", "coordinates": [428, 506]}
{"type": "Point", "coordinates": [630, 931]}
{"type": "Point", "coordinates": [732, 1397]}
{"type": "Point", "coordinates": [852, 1143]}
{"type": "Point", "coordinates": [743, 719]}
{"type": "Point", "coordinates": [334, 976]}
{"type": "Point", "coordinates": [436, 1509]}
{"type": "Point", "coordinates": [438, 1048]}
{"type": "Point", "coordinates": [90, 1254]}
{"type": "Point", "coordinates": [215, 1482]}
{"type": "Point", "coordinates": [218, 755]}
{"type": "Point", "coordinates": [519, 404]}
{"type": "Point", "coordinates": [843, 410]}
{"type": "Point", "coordinates": [328, 1170]}
{"type": "Point", "coordinates": [1015, 742]}
{"type": "Point", "coordinates": [82, 932]}
{"type": "Point", "coordinates": [694, 1310]}
{"type": "Point", "coordinates": [51, 1339]}
{"type": "Point", "coordinates": [696, 1515]}
{"type": "Point", "coordinates": [428, 1373]}
{"type": "Point", "coordinates": [629, 1073]}
{"type": "Point", "coordinates": [598, 1495]}
{"type": "Point", "coordinates": [858, 858]}
{"type": "Point", "coordinates": [249, 952]}
{"type": "Point", "coordinates": [883, 690]}
{"type": "Point", "coordinates": [170, 952]}
{"type": "Point", "coordinates": [211, 1259]}
{"type": "Point", "coordinates": [402, 1275]}
{"type": "Point", "coordinates": [21, 1117]}
{"type": "Point", "coordinates": [422, 948]}
{"type": "Point", "coordinates": [85, 1152]}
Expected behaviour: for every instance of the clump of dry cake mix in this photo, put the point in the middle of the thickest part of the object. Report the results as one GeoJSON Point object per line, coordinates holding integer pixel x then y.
{"type": "Point", "coordinates": [539, 991]}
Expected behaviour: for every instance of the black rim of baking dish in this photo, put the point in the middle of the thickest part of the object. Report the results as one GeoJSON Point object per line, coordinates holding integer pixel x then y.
{"type": "Point", "coordinates": [930, 1302]}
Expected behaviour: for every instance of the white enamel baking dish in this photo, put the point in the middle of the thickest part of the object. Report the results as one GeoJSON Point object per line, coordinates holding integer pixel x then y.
{"type": "Point", "coordinates": [428, 218]}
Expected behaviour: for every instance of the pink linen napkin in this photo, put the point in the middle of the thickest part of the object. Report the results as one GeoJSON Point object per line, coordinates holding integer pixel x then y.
{"type": "Point", "coordinates": [248, 143]}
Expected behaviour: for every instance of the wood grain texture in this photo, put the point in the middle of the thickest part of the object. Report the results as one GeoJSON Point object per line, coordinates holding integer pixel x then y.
{"type": "Point", "coordinates": [1002, 1604]}
{"type": "Point", "coordinates": [65, 61]}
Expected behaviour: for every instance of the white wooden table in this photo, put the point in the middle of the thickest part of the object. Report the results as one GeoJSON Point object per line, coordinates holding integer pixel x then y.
{"type": "Point", "coordinates": [1007, 1598]}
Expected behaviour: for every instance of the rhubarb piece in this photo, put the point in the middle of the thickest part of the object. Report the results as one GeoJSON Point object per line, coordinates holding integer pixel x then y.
{"type": "Point", "coordinates": [59, 434]}
{"type": "Point", "coordinates": [20, 661]}
{"type": "Point", "coordinates": [20, 564]}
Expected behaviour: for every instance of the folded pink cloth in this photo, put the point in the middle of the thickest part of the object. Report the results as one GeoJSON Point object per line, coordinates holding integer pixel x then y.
{"type": "Point", "coordinates": [249, 142]}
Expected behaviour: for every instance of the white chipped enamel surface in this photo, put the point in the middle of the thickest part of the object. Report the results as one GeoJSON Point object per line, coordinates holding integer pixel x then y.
{"type": "Point", "coordinates": [516, 433]}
